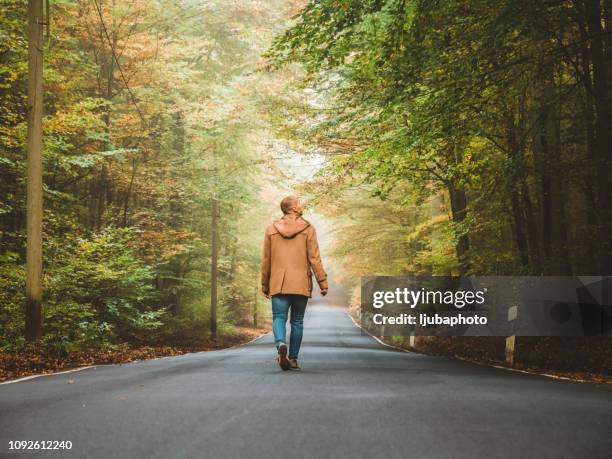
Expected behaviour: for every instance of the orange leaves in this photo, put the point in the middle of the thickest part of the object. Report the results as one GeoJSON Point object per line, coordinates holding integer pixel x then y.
{"type": "Point", "coordinates": [41, 361]}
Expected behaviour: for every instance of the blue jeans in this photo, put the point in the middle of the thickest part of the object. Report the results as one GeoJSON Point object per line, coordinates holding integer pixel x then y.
{"type": "Point", "coordinates": [281, 303]}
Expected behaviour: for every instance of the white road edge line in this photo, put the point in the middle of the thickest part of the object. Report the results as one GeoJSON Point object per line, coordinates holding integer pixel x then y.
{"type": "Point", "coordinates": [517, 370]}
{"type": "Point", "coordinates": [376, 338]}
{"type": "Point", "coordinates": [25, 378]}
{"type": "Point", "coordinates": [74, 370]}
{"type": "Point", "coordinates": [482, 364]}
{"type": "Point", "coordinates": [247, 343]}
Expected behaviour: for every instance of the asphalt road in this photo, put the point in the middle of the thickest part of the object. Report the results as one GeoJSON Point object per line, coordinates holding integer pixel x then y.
{"type": "Point", "coordinates": [354, 398]}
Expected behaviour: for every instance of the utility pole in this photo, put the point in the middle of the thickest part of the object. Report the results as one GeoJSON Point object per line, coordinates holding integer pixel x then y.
{"type": "Point", "coordinates": [214, 267]}
{"type": "Point", "coordinates": [33, 309]}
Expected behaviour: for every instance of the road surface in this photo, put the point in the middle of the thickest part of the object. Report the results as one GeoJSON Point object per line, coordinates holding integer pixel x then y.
{"type": "Point", "coordinates": [354, 398]}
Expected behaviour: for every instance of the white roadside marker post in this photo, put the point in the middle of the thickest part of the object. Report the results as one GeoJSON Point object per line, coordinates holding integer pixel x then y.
{"type": "Point", "coordinates": [511, 340]}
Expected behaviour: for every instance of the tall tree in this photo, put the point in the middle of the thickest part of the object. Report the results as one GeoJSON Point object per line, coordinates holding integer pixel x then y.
{"type": "Point", "coordinates": [34, 289]}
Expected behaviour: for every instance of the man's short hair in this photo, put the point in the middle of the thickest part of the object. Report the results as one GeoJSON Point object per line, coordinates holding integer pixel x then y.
{"type": "Point", "coordinates": [287, 203]}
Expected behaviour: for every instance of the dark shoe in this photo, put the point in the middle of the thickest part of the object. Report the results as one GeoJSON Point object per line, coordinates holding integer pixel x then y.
{"type": "Point", "coordinates": [283, 361]}
{"type": "Point", "coordinates": [294, 364]}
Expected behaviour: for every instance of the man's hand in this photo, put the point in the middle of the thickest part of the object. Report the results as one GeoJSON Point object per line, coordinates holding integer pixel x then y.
{"type": "Point", "coordinates": [266, 294]}
{"type": "Point", "coordinates": [323, 291]}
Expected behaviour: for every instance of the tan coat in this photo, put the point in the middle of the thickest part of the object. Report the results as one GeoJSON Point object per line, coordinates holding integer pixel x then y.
{"type": "Point", "coordinates": [290, 256]}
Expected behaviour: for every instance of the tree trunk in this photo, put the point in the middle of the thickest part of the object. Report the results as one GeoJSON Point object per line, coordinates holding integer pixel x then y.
{"type": "Point", "coordinates": [255, 303]}
{"type": "Point", "coordinates": [516, 182]}
{"type": "Point", "coordinates": [518, 223]}
{"type": "Point", "coordinates": [531, 225]}
{"type": "Point", "coordinates": [214, 271]}
{"type": "Point", "coordinates": [607, 33]}
{"type": "Point", "coordinates": [458, 201]}
{"type": "Point", "coordinates": [603, 131]}
{"type": "Point", "coordinates": [103, 194]}
{"type": "Point", "coordinates": [128, 193]}
{"type": "Point", "coordinates": [547, 151]}
{"type": "Point", "coordinates": [590, 186]}
{"type": "Point", "coordinates": [34, 290]}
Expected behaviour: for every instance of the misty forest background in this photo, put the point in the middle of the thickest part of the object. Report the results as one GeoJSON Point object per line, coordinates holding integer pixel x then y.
{"type": "Point", "coordinates": [458, 137]}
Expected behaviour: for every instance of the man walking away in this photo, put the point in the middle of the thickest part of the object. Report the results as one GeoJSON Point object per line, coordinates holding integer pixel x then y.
{"type": "Point", "coordinates": [290, 256]}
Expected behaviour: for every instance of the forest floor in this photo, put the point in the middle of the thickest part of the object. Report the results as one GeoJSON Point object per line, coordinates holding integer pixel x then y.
{"type": "Point", "coordinates": [583, 359]}
{"type": "Point", "coordinates": [38, 360]}
{"type": "Point", "coordinates": [478, 350]}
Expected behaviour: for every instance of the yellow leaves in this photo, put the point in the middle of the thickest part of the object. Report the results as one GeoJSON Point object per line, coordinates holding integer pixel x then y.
{"type": "Point", "coordinates": [426, 228]}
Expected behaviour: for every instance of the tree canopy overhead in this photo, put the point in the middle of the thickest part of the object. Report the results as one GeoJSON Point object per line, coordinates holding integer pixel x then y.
{"type": "Point", "coordinates": [151, 111]}
{"type": "Point", "coordinates": [499, 109]}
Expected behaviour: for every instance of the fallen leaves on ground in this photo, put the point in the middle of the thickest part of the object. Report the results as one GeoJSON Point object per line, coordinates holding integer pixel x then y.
{"type": "Point", "coordinates": [481, 350]}
{"type": "Point", "coordinates": [585, 359]}
{"type": "Point", "coordinates": [37, 360]}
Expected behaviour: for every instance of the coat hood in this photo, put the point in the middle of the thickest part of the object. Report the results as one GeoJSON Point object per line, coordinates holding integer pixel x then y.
{"type": "Point", "coordinates": [289, 227]}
